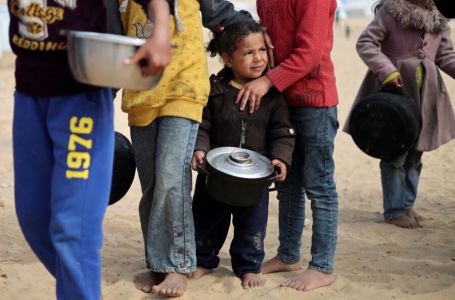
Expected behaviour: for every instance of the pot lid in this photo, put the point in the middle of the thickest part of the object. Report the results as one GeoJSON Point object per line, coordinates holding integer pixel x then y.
{"type": "Point", "coordinates": [239, 162]}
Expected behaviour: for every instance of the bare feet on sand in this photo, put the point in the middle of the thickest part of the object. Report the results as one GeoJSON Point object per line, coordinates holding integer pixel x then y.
{"type": "Point", "coordinates": [275, 265]}
{"type": "Point", "coordinates": [404, 221]}
{"type": "Point", "coordinates": [200, 271]}
{"type": "Point", "coordinates": [173, 285]}
{"type": "Point", "coordinates": [252, 280]}
{"type": "Point", "coordinates": [309, 280]}
{"type": "Point", "coordinates": [145, 281]}
{"type": "Point", "coordinates": [410, 212]}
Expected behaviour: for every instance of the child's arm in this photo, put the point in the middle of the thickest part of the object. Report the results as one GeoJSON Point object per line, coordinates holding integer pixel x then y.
{"type": "Point", "coordinates": [445, 57]}
{"type": "Point", "coordinates": [369, 42]}
{"type": "Point", "coordinates": [216, 13]}
{"type": "Point", "coordinates": [280, 134]}
{"type": "Point", "coordinates": [157, 50]}
{"type": "Point", "coordinates": [203, 143]}
{"type": "Point", "coordinates": [313, 25]}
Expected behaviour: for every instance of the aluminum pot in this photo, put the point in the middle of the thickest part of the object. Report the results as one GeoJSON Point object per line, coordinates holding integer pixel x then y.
{"type": "Point", "coordinates": [237, 176]}
{"type": "Point", "coordinates": [98, 59]}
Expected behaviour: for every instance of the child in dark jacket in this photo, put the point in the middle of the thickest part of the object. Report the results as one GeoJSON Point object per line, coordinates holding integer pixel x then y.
{"type": "Point", "coordinates": [164, 123]}
{"type": "Point", "coordinates": [268, 131]}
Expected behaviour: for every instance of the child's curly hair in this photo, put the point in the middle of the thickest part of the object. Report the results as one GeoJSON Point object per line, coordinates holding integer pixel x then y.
{"type": "Point", "coordinates": [226, 38]}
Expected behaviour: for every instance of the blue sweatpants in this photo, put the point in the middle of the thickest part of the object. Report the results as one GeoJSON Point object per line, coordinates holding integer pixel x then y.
{"type": "Point", "coordinates": [63, 155]}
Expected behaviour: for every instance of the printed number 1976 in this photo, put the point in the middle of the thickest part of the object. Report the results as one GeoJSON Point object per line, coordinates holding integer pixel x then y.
{"type": "Point", "coordinates": [78, 160]}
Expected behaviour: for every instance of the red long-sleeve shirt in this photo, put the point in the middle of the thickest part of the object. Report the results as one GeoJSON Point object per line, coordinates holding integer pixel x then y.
{"type": "Point", "coordinates": [302, 34]}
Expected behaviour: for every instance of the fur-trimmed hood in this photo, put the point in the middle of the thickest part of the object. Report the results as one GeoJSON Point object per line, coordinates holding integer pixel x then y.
{"type": "Point", "coordinates": [412, 16]}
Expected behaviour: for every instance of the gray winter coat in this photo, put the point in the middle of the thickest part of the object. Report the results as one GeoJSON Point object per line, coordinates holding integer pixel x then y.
{"type": "Point", "coordinates": [401, 37]}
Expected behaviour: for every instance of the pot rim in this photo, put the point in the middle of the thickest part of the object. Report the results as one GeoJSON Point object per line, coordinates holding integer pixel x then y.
{"type": "Point", "coordinates": [104, 37]}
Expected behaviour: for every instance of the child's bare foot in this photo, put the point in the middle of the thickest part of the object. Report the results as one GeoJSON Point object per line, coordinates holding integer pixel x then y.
{"type": "Point", "coordinates": [145, 281]}
{"type": "Point", "coordinates": [276, 265]}
{"type": "Point", "coordinates": [173, 285]}
{"type": "Point", "coordinates": [309, 280]}
{"type": "Point", "coordinates": [251, 280]}
{"type": "Point", "coordinates": [404, 221]}
{"type": "Point", "coordinates": [200, 271]}
{"type": "Point", "coordinates": [410, 212]}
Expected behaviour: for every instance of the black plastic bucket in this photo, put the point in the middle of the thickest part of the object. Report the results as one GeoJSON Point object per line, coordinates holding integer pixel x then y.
{"type": "Point", "coordinates": [124, 168]}
{"type": "Point", "coordinates": [446, 7]}
{"type": "Point", "coordinates": [385, 125]}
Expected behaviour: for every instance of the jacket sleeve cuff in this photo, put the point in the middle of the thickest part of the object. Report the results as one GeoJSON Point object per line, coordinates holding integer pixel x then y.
{"type": "Point", "coordinates": [202, 144]}
{"type": "Point", "coordinates": [278, 79]}
{"type": "Point", "coordinates": [286, 158]}
{"type": "Point", "coordinates": [390, 77]}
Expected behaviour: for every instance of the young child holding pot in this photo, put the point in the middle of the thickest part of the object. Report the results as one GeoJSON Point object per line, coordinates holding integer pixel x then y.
{"type": "Point", "coordinates": [268, 131]}
{"type": "Point", "coordinates": [403, 48]}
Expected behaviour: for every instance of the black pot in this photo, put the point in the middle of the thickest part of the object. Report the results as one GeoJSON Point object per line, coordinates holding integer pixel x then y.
{"type": "Point", "coordinates": [237, 177]}
{"type": "Point", "coordinates": [124, 168]}
{"type": "Point", "coordinates": [446, 7]}
{"type": "Point", "coordinates": [385, 125]}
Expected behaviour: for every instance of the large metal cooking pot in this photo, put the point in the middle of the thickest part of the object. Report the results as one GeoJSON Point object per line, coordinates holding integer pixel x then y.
{"type": "Point", "coordinates": [98, 59]}
{"type": "Point", "coordinates": [237, 176]}
{"type": "Point", "coordinates": [385, 125]}
{"type": "Point", "coordinates": [124, 168]}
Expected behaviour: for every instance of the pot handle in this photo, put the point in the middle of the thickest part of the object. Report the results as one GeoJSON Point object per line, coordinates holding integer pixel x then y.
{"type": "Point", "coordinates": [273, 179]}
{"type": "Point", "coordinates": [272, 189]}
{"type": "Point", "coordinates": [202, 170]}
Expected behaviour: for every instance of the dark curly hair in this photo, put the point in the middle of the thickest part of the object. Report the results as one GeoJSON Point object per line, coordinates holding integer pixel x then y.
{"type": "Point", "coordinates": [226, 39]}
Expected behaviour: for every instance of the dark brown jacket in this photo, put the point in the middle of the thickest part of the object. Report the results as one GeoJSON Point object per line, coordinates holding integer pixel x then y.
{"type": "Point", "coordinates": [268, 130]}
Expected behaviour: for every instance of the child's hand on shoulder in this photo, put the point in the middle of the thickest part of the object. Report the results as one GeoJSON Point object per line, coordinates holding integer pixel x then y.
{"type": "Point", "coordinates": [198, 160]}
{"type": "Point", "coordinates": [282, 169]}
{"type": "Point", "coordinates": [253, 92]}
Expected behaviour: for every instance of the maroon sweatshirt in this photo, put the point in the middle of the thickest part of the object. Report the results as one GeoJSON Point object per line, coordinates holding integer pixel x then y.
{"type": "Point", "coordinates": [42, 68]}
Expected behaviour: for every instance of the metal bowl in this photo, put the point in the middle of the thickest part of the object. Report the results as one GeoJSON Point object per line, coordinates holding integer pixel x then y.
{"type": "Point", "coordinates": [98, 59]}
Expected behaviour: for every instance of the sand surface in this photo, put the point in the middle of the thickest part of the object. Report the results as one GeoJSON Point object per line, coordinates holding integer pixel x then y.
{"type": "Point", "coordinates": [373, 260]}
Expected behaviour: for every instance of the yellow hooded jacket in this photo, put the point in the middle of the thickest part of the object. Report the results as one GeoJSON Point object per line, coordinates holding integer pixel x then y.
{"type": "Point", "coordinates": [184, 87]}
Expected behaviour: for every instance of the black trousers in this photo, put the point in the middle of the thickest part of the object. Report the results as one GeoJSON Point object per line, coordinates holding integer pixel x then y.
{"type": "Point", "coordinates": [212, 220]}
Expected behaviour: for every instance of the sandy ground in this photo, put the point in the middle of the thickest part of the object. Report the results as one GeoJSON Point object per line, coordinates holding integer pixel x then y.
{"type": "Point", "coordinates": [373, 261]}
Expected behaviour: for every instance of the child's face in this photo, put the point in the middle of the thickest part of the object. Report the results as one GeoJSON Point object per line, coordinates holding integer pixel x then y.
{"type": "Point", "coordinates": [249, 60]}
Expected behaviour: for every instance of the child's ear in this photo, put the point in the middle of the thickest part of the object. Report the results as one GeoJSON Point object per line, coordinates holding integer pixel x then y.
{"type": "Point", "coordinates": [226, 59]}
